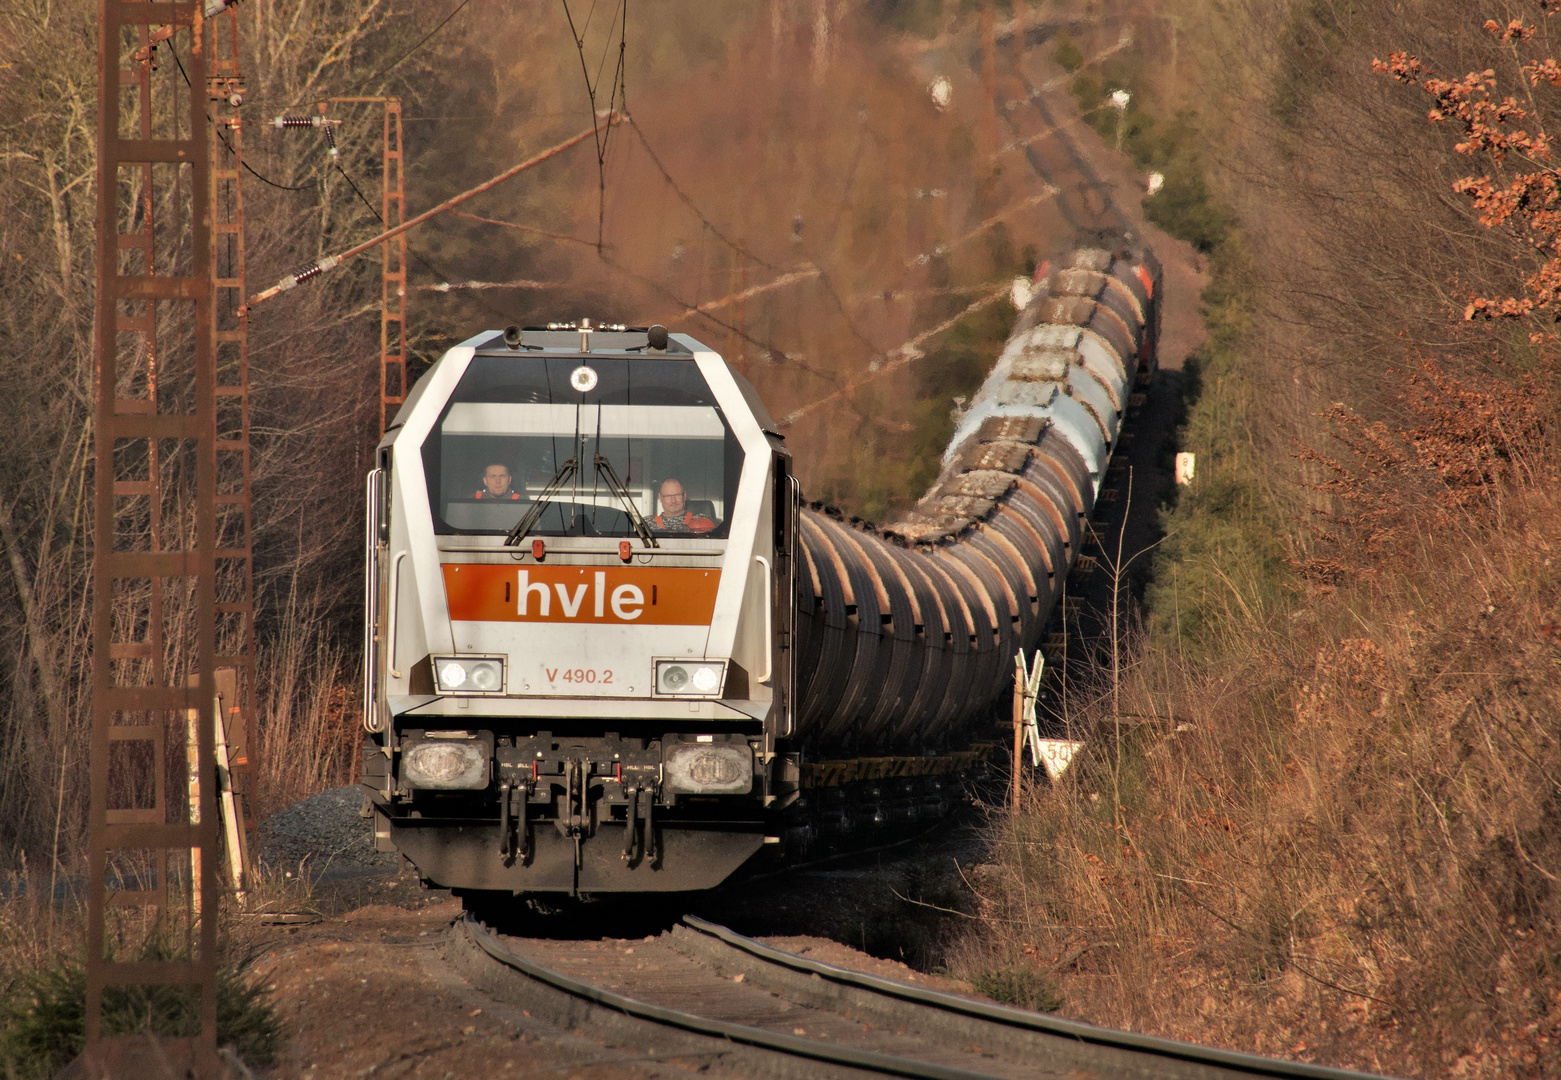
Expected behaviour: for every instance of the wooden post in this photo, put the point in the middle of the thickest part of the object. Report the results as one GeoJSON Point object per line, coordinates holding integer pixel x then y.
{"type": "Point", "coordinates": [234, 842]}
{"type": "Point", "coordinates": [230, 821]}
{"type": "Point", "coordinates": [1018, 727]}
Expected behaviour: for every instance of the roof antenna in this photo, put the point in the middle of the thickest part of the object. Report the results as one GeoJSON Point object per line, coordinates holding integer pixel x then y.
{"type": "Point", "coordinates": [585, 335]}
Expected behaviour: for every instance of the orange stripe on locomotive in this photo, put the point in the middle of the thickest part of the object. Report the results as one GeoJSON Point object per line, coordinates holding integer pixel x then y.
{"type": "Point", "coordinates": [661, 596]}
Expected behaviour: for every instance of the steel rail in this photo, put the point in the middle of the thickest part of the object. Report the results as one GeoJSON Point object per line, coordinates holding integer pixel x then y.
{"type": "Point", "coordinates": [791, 1045]}
{"type": "Point", "coordinates": [1071, 148]}
{"type": "Point", "coordinates": [1251, 1064]}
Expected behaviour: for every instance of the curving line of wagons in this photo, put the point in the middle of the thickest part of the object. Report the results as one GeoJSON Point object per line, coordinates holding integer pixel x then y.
{"type": "Point", "coordinates": [906, 632]}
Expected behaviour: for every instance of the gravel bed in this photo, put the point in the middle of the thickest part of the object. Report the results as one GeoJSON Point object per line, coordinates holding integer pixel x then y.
{"type": "Point", "coordinates": [325, 834]}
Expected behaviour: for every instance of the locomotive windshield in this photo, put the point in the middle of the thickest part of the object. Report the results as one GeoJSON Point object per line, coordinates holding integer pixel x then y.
{"type": "Point", "coordinates": [587, 437]}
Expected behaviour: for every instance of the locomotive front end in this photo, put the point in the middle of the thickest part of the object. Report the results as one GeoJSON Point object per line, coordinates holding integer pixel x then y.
{"type": "Point", "coordinates": [579, 580]}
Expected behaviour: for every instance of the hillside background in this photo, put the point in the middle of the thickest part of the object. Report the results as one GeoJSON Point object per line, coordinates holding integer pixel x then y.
{"type": "Point", "coordinates": [1319, 817]}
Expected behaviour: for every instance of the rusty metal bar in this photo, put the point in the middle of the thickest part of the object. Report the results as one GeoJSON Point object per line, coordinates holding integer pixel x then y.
{"type": "Point", "coordinates": [393, 274]}
{"type": "Point", "coordinates": [155, 411]}
{"type": "Point", "coordinates": [393, 255]}
{"type": "Point", "coordinates": [236, 644]}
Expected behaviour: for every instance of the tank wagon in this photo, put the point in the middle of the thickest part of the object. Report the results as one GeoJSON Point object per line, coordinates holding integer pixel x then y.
{"type": "Point", "coordinates": [609, 649]}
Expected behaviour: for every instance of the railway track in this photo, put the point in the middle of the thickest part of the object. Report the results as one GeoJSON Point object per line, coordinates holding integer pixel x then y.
{"type": "Point", "coordinates": [703, 997]}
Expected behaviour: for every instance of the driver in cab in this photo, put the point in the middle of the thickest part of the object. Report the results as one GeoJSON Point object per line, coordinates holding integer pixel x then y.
{"type": "Point", "coordinates": [675, 516]}
{"type": "Point", "coordinates": [496, 485]}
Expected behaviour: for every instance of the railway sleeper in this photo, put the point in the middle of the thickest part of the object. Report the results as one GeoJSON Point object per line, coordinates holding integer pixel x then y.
{"type": "Point", "coordinates": [865, 809]}
{"type": "Point", "coordinates": [699, 1044]}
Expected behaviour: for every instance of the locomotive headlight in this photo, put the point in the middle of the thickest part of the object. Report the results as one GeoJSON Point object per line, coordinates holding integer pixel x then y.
{"type": "Point", "coordinates": [686, 678]}
{"type": "Point", "coordinates": [486, 675]}
{"type": "Point", "coordinates": [469, 674]}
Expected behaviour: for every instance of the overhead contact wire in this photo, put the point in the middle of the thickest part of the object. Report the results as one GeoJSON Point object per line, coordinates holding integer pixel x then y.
{"type": "Point", "coordinates": [617, 100]}
{"type": "Point", "coordinates": [740, 249]}
{"type": "Point", "coordinates": [320, 266]}
{"type": "Point", "coordinates": [430, 267]}
{"type": "Point", "coordinates": [421, 42]}
{"type": "Point", "coordinates": [228, 145]}
{"type": "Point", "coordinates": [688, 202]}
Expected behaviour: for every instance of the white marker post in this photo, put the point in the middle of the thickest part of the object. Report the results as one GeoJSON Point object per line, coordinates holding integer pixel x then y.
{"type": "Point", "coordinates": [1119, 101]}
{"type": "Point", "coordinates": [1027, 688]}
{"type": "Point", "coordinates": [1054, 755]}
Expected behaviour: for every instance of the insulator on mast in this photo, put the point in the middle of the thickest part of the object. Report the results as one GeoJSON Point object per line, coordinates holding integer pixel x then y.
{"type": "Point", "coordinates": [301, 275]}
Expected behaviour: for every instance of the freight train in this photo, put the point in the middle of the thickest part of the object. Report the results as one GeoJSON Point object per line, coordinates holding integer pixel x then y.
{"type": "Point", "coordinates": [610, 650]}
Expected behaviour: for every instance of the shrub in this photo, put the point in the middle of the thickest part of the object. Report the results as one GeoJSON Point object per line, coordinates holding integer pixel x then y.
{"type": "Point", "coordinates": [1025, 988]}
{"type": "Point", "coordinates": [1184, 208]}
{"type": "Point", "coordinates": [1067, 55]}
{"type": "Point", "coordinates": [43, 1014]}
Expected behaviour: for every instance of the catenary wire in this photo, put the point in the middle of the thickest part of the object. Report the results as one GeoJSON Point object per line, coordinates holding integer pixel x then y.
{"type": "Point", "coordinates": [619, 96]}
{"type": "Point", "coordinates": [769, 347]}
{"type": "Point", "coordinates": [715, 231]}
{"type": "Point", "coordinates": [776, 354]}
{"type": "Point", "coordinates": [356, 190]}
{"type": "Point", "coordinates": [688, 202]}
{"type": "Point", "coordinates": [310, 186]}
{"type": "Point", "coordinates": [412, 251]}
{"type": "Point", "coordinates": [617, 100]}
{"type": "Point", "coordinates": [421, 42]}
{"type": "Point", "coordinates": [229, 146]}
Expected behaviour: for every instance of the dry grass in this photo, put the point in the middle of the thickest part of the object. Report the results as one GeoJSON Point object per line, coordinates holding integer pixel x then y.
{"type": "Point", "coordinates": [1341, 844]}
{"type": "Point", "coordinates": [1336, 837]}
{"type": "Point", "coordinates": [310, 713]}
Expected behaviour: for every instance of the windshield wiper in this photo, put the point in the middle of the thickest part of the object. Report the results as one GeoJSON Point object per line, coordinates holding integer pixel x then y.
{"type": "Point", "coordinates": [534, 515]}
{"type": "Point", "coordinates": [605, 470]}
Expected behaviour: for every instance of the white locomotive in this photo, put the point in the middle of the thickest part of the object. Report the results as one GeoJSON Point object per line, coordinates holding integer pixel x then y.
{"type": "Point", "coordinates": [579, 589]}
